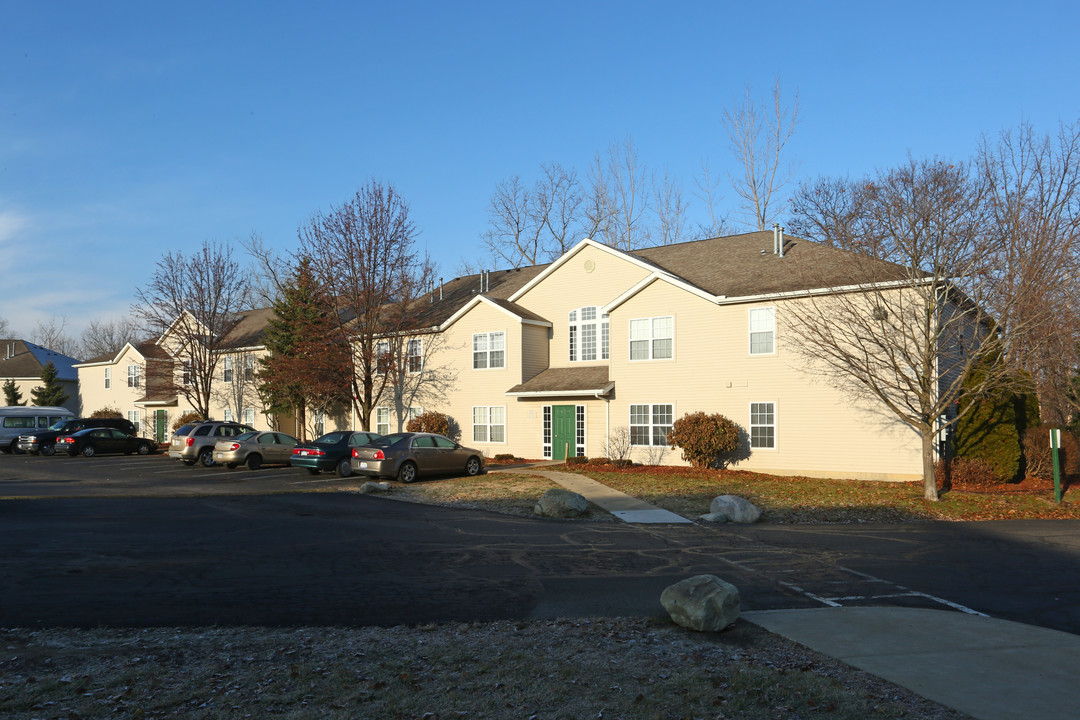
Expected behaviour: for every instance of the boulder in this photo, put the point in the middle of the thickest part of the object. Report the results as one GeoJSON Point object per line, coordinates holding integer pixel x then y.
{"type": "Point", "coordinates": [561, 503]}
{"type": "Point", "coordinates": [732, 508]}
{"type": "Point", "coordinates": [704, 603]}
{"type": "Point", "coordinates": [373, 487]}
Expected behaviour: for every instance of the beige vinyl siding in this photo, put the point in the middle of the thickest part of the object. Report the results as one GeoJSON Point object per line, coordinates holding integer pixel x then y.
{"type": "Point", "coordinates": [819, 430]}
{"type": "Point", "coordinates": [534, 350]}
{"type": "Point", "coordinates": [571, 286]}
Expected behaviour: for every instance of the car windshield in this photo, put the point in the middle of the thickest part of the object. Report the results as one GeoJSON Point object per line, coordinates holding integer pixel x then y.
{"type": "Point", "coordinates": [58, 425]}
{"type": "Point", "coordinates": [331, 438]}
{"type": "Point", "coordinates": [245, 436]}
{"type": "Point", "coordinates": [388, 440]}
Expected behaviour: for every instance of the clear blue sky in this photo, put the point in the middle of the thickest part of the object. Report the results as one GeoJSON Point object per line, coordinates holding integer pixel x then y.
{"type": "Point", "coordinates": [128, 130]}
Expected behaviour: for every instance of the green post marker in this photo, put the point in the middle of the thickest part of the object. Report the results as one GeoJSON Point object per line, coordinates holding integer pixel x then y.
{"type": "Point", "coordinates": [1055, 443]}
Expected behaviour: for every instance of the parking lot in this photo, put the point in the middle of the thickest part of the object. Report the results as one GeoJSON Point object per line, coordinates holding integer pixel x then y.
{"type": "Point", "coordinates": [26, 476]}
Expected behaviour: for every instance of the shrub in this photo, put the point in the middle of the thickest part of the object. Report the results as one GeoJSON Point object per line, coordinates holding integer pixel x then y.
{"type": "Point", "coordinates": [622, 462]}
{"type": "Point", "coordinates": [188, 417]}
{"type": "Point", "coordinates": [1039, 456]}
{"type": "Point", "coordinates": [106, 412]}
{"type": "Point", "coordinates": [600, 461]}
{"type": "Point", "coordinates": [505, 456]}
{"type": "Point", "coordinates": [577, 460]}
{"type": "Point", "coordinates": [704, 438]}
{"type": "Point", "coordinates": [969, 471]}
{"type": "Point", "coordinates": [619, 443]}
{"type": "Point", "coordinates": [430, 422]}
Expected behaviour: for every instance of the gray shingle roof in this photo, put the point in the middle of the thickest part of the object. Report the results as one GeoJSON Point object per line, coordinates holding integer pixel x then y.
{"type": "Point", "coordinates": [580, 380]}
{"type": "Point", "coordinates": [21, 359]}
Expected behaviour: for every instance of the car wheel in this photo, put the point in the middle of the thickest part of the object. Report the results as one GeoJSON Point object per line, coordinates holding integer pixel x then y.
{"type": "Point", "coordinates": [472, 466]}
{"type": "Point", "coordinates": [313, 471]}
{"type": "Point", "coordinates": [206, 457]}
{"type": "Point", "coordinates": [344, 469]}
{"type": "Point", "coordinates": [254, 461]}
{"type": "Point", "coordinates": [88, 451]}
{"type": "Point", "coordinates": [407, 472]}
{"type": "Point", "coordinates": [48, 449]}
{"type": "Point", "coordinates": [144, 449]}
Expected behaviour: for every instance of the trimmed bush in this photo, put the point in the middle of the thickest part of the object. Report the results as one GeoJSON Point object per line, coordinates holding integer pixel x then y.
{"type": "Point", "coordinates": [106, 412]}
{"type": "Point", "coordinates": [430, 422]}
{"type": "Point", "coordinates": [703, 438]}
{"type": "Point", "coordinates": [1040, 457]}
{"type": "Point", "coordinates": [188, 417]}
{"type": "Point", "coordinates": [622, 462]}
{"type": "Point", "coordinates": [577, 460]}
{"type": "Point", "coordinates": [600, 461]}
{"type": "Point", "coordinates": [505, 456]}
{"type": "Point", "coordinates": [969, 471]}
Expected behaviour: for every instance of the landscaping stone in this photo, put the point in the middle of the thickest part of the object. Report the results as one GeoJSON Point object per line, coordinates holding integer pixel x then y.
{"type": "Point", "coordinates": [732, 508]}
{"type": "Point", "coordinates": [704, 603]}
{"type": "Point", "coordinates": [373, 487]}
{"type": "Point", "coordinates": [561, 503]}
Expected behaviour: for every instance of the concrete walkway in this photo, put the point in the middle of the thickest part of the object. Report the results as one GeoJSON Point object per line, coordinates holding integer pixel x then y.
{"type": "Point", "coordinates": [990, 669]}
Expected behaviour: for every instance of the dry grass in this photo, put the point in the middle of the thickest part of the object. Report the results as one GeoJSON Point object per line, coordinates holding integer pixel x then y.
{"type": "Point", "coordinates": [623, 668]}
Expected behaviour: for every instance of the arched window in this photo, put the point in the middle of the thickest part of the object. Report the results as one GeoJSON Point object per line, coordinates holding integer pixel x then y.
{"type": "Point", "coordinates": [588, 334]}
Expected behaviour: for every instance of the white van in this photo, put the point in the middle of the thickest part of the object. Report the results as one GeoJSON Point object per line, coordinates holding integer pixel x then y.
{"type": "Point", "coordinates": [17, 419]}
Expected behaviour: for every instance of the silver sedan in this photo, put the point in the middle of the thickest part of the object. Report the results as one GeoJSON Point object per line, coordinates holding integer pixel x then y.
{"type": "Point", "coordinates": [254, 449]}
{"type": "Point", "coordinates": [406, 456]}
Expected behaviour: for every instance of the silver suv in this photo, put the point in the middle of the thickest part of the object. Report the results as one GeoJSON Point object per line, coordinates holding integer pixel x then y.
{"type": "Point", "coordinates": [195, 441]}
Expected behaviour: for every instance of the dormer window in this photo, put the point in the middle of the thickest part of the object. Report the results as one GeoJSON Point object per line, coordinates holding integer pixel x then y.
{"type": "Point", "coordinates": [588, 334]}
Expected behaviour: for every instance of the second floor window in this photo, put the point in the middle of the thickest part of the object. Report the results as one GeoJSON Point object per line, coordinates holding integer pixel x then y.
{"type": "Point", "coordinates": [227, 373]}
{"type": "Point", "coordinates": [762, 331]}
{"type": "Point", "coordinates": [652, 338]}
{"type": "Point", "coordinates": [108, 378]}
{"type": "Point", "coordinates": [382, 357]}
{"type": "Point", "coordinates": [415, 357]}
{"type": "Point", "coordinates": [489, 350]}
{"type": "Point", "coordinates": [187, 376]}
{"type": "Point", "coordinates": [134, 376]}
{"type": "Point", "coordinates": [249, 368]}
{"type": "Point", "coordinates": [588, 331]}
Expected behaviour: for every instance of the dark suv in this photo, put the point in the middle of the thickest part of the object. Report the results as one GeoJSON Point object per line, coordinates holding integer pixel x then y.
{"type": "Point", "coordinates": [44, 441]}
{"type": "Point", "coordinates": [195, 441]}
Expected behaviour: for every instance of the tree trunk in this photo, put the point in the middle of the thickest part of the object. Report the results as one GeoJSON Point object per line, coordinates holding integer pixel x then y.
{"type": "Point", "coordinates": [930, 491]}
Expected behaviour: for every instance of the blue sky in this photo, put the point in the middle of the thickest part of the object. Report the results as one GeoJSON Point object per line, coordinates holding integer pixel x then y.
{"type": "Point", "coordinates": [128, 130]}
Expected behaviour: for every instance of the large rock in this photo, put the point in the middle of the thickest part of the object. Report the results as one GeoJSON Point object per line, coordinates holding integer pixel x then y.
{"type": "Point", "coordinates": [703, 602]}
{"type": "Point", "coordinates": [732, 508]}
{"type": "Point", "coordinates": [561, 503]}
{"type": "Point", "coordinates": [373, 487]}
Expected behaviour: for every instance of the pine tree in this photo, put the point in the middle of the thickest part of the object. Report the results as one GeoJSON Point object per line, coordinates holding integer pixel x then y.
{"type": "Point", "coordinates": [12, 396]}
{"type": "Point", "coordinates": [52, 392]}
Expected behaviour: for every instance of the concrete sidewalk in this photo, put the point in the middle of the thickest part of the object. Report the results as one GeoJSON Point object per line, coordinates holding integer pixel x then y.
{"type": "Point", "coordinates": [626, 508]}
{"type": "Point", "coordinates": [990, 669]}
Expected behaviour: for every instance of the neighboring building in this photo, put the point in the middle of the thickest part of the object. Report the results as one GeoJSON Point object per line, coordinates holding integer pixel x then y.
{"type": "Point", "coordinates": [23, 362]}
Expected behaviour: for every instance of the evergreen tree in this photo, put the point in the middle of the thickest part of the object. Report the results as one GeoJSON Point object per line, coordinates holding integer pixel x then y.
{"type": "Point", "coordinates": [12, 396]}
{"type": "Point", "coordinates": [308, 368]}
{"type": "Point", "coordinates": [52, 392]}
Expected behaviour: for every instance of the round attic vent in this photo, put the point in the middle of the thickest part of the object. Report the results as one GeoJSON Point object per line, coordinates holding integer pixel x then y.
{"type": "Point", "coordinates": [590, 265]}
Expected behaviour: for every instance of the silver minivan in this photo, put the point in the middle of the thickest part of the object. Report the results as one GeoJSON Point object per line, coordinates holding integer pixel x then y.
{"type": "Point", "coordinates": [16, 420]}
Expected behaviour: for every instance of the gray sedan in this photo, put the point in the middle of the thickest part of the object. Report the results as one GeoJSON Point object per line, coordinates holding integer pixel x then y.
{"type": "Point", "coordinates": [254, 449]}
{"type": "Point", "coordinates": [406, 456]}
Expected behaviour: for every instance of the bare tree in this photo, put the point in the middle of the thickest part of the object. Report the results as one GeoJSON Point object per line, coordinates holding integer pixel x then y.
{"type": "Point", "coordinates": [192, 302]}
{"type": "Point", "coordinates": [759, 136]}
{"type": "Point", "coordinates": [52, 335]}
{"type": "Point", "coordinates": [363, 252]}
{"type": "Point", "coordinates": [1034, 186]}
{"type": "Point", "coordinates": [670, 211]}
{"type": "Point", "coordinates": [415, 377]}
{"type": "Point", "coordinates": [270, 271]}
{"type": "Point", "coordinates": [5, 328]}
{"type": "Point", "coordinates": [708, 192]}
{"type": "Point", "coordinates": [107, 337]}
{"type": "Point", "coordinates": [617, 206]}
{"type": "Point", "coordinates": [909, 325]}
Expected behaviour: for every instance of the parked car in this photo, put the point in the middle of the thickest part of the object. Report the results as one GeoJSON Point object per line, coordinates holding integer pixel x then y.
{"type": "Point", "coordinates": [406, 456]}
{"type": "Point", "coordinates": [195, 441]}
{"type": "Point", "coordinates": [95, 441]}
{"type": "Point", "coordinates": [16, 420]}
{"type": "Point", "coordinates": [254, 449]}
{"type": "Point", "coordinates": [43, 441]}
{"type": "Point", "coordinates": [330, 452]}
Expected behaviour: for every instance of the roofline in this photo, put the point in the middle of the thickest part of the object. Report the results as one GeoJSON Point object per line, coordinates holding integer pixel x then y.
{"type": "Point", "coordinates": [564, 393]}
{"type": "Point", "coordinates": [666, 277]}
{"type": "Point", "coordinates": [483, 298]}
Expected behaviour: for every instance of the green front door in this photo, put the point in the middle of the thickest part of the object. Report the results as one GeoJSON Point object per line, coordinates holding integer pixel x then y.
{"type": "Point", "coordinates": [160, 419]}
{"type": "Point", "coordinates": [563, 431]}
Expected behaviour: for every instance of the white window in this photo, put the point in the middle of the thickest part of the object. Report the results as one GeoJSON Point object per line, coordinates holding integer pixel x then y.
{"type": "Point", "coordinates": [382, 420]}
{"type": "Point", "coordinates": [415, 357]}
{"type": "Point", "coordinates": [763, 425]}
{"type": "Point", "coordinates": [650, 424]}
{"type": "Point", "coordinates": [108, 378]}
{"type": "Point", "coordinates": [133, 417]}
{"type": "Point", "coordinates": [134, 376]}
{"type": "Point", "coordinates": [652, 338]}
{"type": "Point", "coordinates": [249, 416]}
{"type": "Point", "coordinates": [227, 372]}
{"type": "Point", "coordinates": [588, 331]}
{"type": "Point", "coordinates": [489, 350]}
{"type": "Point", "coordinates": [249, 368]}
{"type": "Point", "coordinates": [489, 424]}
{"type": "Point", "coordinates": [187, 374]}
{"type": "Point", "coordinates": [228, 415]}
{"type": "Point", "coordinates": [382, 357]}
{"type": "Point", "coordinates": [763, 331]}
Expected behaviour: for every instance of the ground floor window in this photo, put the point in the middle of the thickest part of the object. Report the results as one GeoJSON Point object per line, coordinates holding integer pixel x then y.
{"type": "Point", "coordinates": [650, 424]}
{"type": "Point", "coordinates": [133, 417]}
{"type": "Point", "coordinates": [382, 420]}
{"type": "Point", "coordinates": [489, 424]}
{"type": "Point", "coordinates": [228, 416]}
{"type": "Point", "coordinates": [249, 416]}
{"type": "Point", "coordinates": [763, 425]}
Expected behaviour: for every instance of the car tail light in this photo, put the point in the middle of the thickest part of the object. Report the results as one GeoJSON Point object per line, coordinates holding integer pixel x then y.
{"type": "Point", "coordinates": [378, 455]}
{"type": "Point", "coordinates": [354, 453]}
{"type": "Point", "coordinates": [235, 446]}
{"type": "Point", "coordinates": [190, 441]}
{"type": "Point", "coordinates": [67, 439]}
